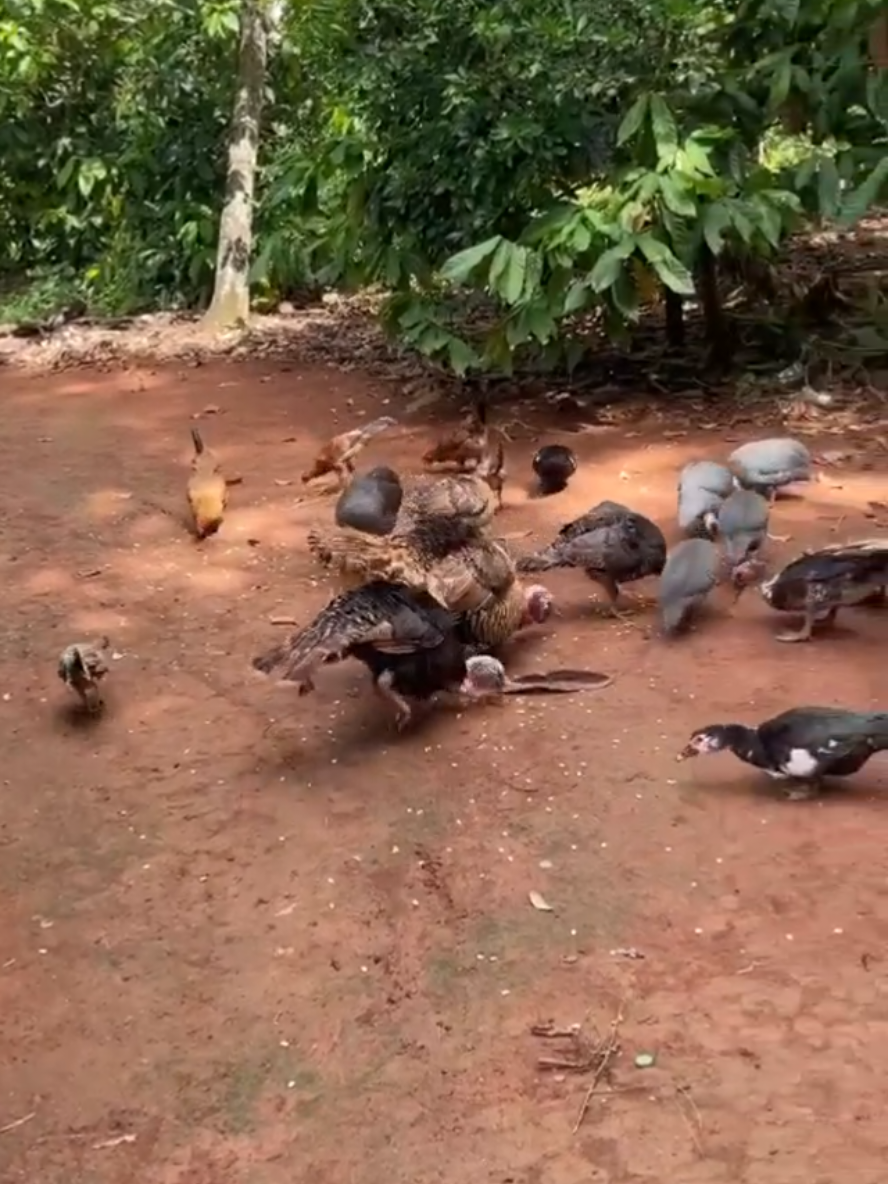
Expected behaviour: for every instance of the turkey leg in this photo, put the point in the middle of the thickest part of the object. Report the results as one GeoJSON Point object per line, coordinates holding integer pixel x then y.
{"type": "Point", "coordinates": [403, 710]}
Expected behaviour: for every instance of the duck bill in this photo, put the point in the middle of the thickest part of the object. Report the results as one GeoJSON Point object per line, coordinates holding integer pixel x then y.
{"type": "Point", "coordinates": [686, 753]}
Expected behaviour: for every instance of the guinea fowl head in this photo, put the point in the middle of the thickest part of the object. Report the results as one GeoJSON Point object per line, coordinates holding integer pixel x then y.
{"type": "Point", "coordinates": [484, 676]}
{"type": "Point", "coordinates": [711, 739]}
{"type": "Point", "coordinates": [539, 604]}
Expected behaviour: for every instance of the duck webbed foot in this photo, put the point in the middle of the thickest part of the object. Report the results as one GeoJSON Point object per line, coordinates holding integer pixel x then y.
{"type": "Point", "coordinates": [802, 791]}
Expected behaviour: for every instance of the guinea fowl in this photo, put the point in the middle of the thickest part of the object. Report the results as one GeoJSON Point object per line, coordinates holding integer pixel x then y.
{"type": "Point", "coordinates": [702, 487]}
{"type": "Point", "coordinates": [801, 746]}
{"type": "Point", "coordinates": [412, 647]}
{"type": "Point", "coordinates": [554, 466]}
{"type": "Point", "coordinates": [819, 583]}
{"type": "Point", "coordinates": [692, 570]}
{"type": "Point", "coordinates": [768, 465]}
{"type": "Point", "coordinates": [371, 501]}
{"type": "Point", "coordinates": [743, 528]}
{"type": "Point", "coordinates": [611, 543]}
{"type": "Point", "coordinates": [82, 666]}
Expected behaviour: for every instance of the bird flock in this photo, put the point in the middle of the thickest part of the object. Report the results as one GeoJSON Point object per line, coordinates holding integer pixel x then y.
{"type": "Point", "coordinates": [430, 597]}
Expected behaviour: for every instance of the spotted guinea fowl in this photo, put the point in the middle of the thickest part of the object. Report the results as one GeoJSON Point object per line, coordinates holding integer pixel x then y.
{"type": "Point", "coordinates": [801, 746]}
{"type": "Point", "coordinates": [819, 583]}
{"type": "Point", "coordinates": [371, 501]}
{"type": "Point", "coordinates": [742, 524]}
{"type": "Point", "coordinates": [554, 465]}
{"type": "Point", "coordinates": [611, 543]}
{"type": "Point", "coordinates": [768, 465]}
{"type": "Point", "coordinates": [412, 647]}
{"type": "Point", "coordinates": [693, 568]}
{"type": "Point", "coordinates": [702, 487]}
{"type": "Point", "coordinates": [82, 666]}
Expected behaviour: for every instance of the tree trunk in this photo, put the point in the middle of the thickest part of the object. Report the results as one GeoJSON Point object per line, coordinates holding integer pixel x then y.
{"type": "Point", "coordinates": [878, 40]}
{"type": "Point", "coordinates": [719, 340]}
{"type": "Point", "coordinates": [230, 305]}
{"type": "Point", "coordinates": [675, 325]}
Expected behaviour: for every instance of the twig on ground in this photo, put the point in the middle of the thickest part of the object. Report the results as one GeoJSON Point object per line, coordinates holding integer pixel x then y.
{"type": "Point", "coordinates": [605, 1053]}
{"type": "Point", "coordinates": [687, 1108]}
{"type": "Point", "coordinates": [11, 1126]}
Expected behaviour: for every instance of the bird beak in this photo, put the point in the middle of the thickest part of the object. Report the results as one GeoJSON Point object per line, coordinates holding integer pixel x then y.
{"type": "Point", "coordinates": [686, 753]}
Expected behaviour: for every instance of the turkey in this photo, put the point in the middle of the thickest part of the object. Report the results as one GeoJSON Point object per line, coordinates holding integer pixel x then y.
{"type": "Point", "coordinates": [412, 647]}
{"type": "Point", "coordinates": [702, 487]}
{"type": "Point", "coordinates": [82, 666]}
{"type": "Point", "coordinates": [371, 501]}
{"type": "Point", "coordinates": [768, 465]}
{"type": "Point", "coordinates": [817, 584]}
{"type": "Point", "coordinates": [692, 570]}
{"type": "Point", "coordinates": [611, 543]}
{"type": "Point", "coordinates": [554, 465]}
{"type": "Point", "coordinates": [476, 579]}
{"type": "Point", "coordinates": [743, 527]}
{"type": "Point", "coordinates": [801, 746]}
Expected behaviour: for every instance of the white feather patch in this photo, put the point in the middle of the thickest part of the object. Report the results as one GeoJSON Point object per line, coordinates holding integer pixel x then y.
{"type": "Point", "coordinates": [801, 763]}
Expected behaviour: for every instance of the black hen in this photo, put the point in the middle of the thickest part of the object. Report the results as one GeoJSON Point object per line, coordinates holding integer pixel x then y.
{"type": "Point", "coordinates": [371, 502]}
{"type": "Point", "coordinates": [554, 466]}
{"type": "Point", "coordinates": [611, 543]}
{"type": "Point", "coordinates": [818, 584]}
{"type": "Point", "coordinates": [801, 746]}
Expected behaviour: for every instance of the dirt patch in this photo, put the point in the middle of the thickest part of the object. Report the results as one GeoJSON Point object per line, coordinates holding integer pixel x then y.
{"type": "Point", "coordinates": [247, 938]}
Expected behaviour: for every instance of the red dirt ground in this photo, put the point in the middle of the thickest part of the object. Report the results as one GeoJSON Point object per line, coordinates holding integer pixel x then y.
{"type": "Point", "coordinates": [251, 939]}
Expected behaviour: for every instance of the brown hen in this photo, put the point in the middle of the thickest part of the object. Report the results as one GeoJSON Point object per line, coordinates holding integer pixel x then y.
{"type": "Point", "coordinates": [338, 454]}
{"type": "Point", "coordinates": [207, 489]}
{"type": "Point", "coordinates": [465, 447]}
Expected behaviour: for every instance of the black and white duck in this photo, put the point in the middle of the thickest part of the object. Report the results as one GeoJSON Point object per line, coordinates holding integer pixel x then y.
{"type": "Point", "coordinates": [800, 746]}
{"type": "Point", "coordinates": [819, 583]}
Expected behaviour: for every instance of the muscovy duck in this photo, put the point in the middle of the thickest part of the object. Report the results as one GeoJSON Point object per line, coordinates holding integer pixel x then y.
{"type": "Point", "coordinates": [801, 746]}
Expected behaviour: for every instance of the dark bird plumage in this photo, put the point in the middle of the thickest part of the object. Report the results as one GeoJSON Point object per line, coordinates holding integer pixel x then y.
{"type": "Point", "coordinates": [801, 746]}
{"type": "Point", "coordinates": [702, 487]}
{"type": "Point", "coordinates": [371, 501]}
{"type": "Point", "coordinates": [554, 465]}
{"type": "Point", "coordinates": [769, 465]}
{"type": "Point", "coordinates": [816, 585]}
{"type": "Point", "coordinates": [611, 543]}
{"type": "Point", "coordinates": [692, 570]}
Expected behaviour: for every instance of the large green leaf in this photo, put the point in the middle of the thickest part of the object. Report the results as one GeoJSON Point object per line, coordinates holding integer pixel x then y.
{"type": "Point", "coordinates": [461, 356]}
{"type": "Point", "coordinates": [671, 270]}
{"type": "Point", "coordinates": [664, 129]}
{"type": "Point", "coordinates": [716, 220]}
{"type": "Point", "coordinates": [609, 265]}
{"type": "Point", "coordinates": [859, 201]}
{"type": "Point", "coordinates": [677, 196]}
{"type": "Point", "coordinates": [633, 119]}
{"type": "Point", "coordinates": [458, 268]}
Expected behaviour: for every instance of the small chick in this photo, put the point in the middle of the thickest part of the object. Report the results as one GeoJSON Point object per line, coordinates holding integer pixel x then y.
{"type": "Point", "coordinates": [466, 447]}
{"type": "Point", "coordinates": [338, 454]}
{"type": "Point", "coordinates": [207, 489]}
{"type": "Point", "coordinates": [371, 502]}
{"type": "Point", "coordinates": [554, 466]}
{"type": "Point", "coordinates": [82, 666]}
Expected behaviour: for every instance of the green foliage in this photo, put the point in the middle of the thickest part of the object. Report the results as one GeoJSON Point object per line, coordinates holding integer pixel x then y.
{"type": "Point", "coordinates": [504, 170]}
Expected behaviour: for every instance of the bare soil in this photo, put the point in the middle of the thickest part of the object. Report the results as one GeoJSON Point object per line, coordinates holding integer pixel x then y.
{"type": "Point", "coordinates": [252, 939]}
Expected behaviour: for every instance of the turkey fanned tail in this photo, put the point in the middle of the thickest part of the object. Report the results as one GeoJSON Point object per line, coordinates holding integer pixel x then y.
{"type": "Point", "coordinates": [391, 618]}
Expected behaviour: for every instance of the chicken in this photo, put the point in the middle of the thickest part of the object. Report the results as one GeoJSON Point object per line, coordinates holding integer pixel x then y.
{"type": "Point", "coordinates": [818, 583]}
{"type": "Point", "coordinates": [371, 502]}
{"type": "Point", "coordinates": [476, 579]}
{"type": "Point", "coordinates": [611, 543]}
{"type": "Point", "coordinates": [411, 646]}
{"type": "Point", "coordinates": [692, 570]}
{"type": "Point", "coordinates": [743, 527]}
{"type": "Point", "coordinates": [467, 446]}
{"type": "Point", "coordinates": [768, 465]}
{"type": "Point", "coordinates": [702, 487]}
{"type": "Point", "coordinates": [801, 746]}
{"type": "Point", "coordinates": [207, 489]}
{"type": "Point", "coordinates": [554, 465]}
{"type": "Point", "coordinates": [338, 454]}
{"type": "Point", "coordinates": [82, 666]}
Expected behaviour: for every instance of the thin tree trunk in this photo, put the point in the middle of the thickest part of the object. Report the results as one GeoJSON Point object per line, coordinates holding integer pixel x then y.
{"type": "Point", "coordinates": [675, 325]}
{"type": "Point", "coordinates": [231, 295]}
{"type": "Point", "coordinates": [721, 345]}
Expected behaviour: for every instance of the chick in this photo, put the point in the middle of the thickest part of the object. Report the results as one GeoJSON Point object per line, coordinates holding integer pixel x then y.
{"type": "Point", "coordinates": [82, 666]}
